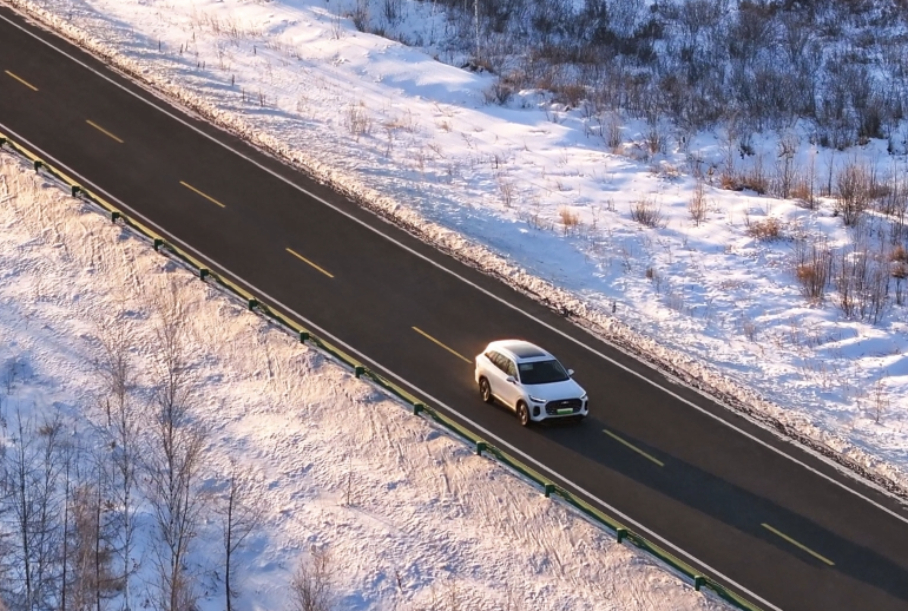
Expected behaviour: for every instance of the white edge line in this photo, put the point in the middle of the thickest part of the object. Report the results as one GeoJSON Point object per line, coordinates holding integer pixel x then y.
{"type": "Point", "coordinates": [354, 351]}
{"type": "Point", "coordinates": [472, 284]}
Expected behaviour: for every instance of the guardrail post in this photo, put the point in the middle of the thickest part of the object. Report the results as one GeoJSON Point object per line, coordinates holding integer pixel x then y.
{"type": "Point", "coordinates": [418, 407]}
{"type": "Point", "coordinates": [549, 489]}
{"type": "Point", "coordinates": [38, 164]}
{"type": "Point", "coordinates": [158, 243]}
{"type": "Point", "coordinates": [203, 272]}
{"type": "Point", "coordinates": [304, 337]}
{"type": "Point", "coordinates": [699, 582]}
{"type": "Point", "coordinates": [359, 370]}
{"type": "Point", "coordinates": [480, 446]}
{"type": "Point", "coordinates": [621, 533]}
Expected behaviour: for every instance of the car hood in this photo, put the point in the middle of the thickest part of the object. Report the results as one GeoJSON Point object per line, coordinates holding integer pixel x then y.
{"type": "Point", "coordinates": [569, 389]}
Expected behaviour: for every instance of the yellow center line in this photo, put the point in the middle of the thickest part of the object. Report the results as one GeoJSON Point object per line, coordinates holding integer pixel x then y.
{"type": "Point", "coordinates": [102, 130]}
{"type": "Point", "coordinates": [22, 80]}
{"type": "Point", "coordinates": [798, 545]}
{"type": "Point", "coordinates": [633, 447]}
{"type": "Point", "coordinates": [208, 197]}
{"type": "Point", "coordinates": [435, 341]}
{"type": "Point", "coordinates": [305, 260]}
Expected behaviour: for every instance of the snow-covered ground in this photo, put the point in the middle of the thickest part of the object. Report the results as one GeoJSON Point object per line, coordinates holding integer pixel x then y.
{"type": "Point", "coordinates": [412, 519]}
{"type": "Point", "coordinates": [528, 192]}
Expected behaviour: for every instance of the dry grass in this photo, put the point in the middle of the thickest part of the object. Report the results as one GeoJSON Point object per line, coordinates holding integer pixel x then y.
{"type": "Point", "coordinates": [697, 206]}
{"type": "Point", "coordinates": [764, 230]}
{"type": "Point", "coordinates": [647, 213]}
{"type": "Point", "coordinates": [357, 120]}
{"type": "Point", "coordinates": [570, 220]}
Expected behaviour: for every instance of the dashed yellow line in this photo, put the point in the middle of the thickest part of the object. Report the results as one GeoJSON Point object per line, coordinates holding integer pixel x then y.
{"type": "Point", "coordinates": [307, 261]}
{"type": "Point", "coordinates": [798, 545]}
{"type": "Point", "coordinates": [102, 130]}
{"type": "Point", "coordinates": [22, 80]}
{"type": "Point", "coordinates": [633, 447]}
{"type": "Point", "coordinates": [435, 341]}
{"type": "Point", "coordinates": [208, 197]}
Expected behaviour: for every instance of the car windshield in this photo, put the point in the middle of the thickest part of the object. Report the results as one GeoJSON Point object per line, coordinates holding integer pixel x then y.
{"type": "Point", "coordinates": [542, 372]}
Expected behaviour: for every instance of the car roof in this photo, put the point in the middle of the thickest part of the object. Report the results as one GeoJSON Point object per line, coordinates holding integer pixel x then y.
{"type": "Point", "coordinates": [519, 349]}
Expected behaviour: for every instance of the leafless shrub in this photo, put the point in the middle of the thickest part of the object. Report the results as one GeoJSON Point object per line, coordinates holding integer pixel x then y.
{"type": "Point", "coordinates": [391, 10]}
{"type": "Point", "coordinates": [647, 212]}
{"type": "Point", "coordinates": [767, 229]}
{"type": "Point", "coordinates": [755, 178]}
{"type": "Point", "coordinates": [785, 169]}
{"type": "Point", "coordinates": [802, 190]}
{"type": "Point", "coordinates": [570, 94]}
{"type": "Point", "coordinates": [879, 401]}
{"type": "Point", "coordinates": [892, 201]}
{"type": "Point", "coordinates": [612, 131]}
{"type": "Point", "coordinates": [499, 92]}
{"type": "Point", "coordinates": [570, 220]}
{"type": "Point", "coordinates": [854, 185]}
{"type": "Point", "coordinates": [697, 205]}
{"type": "Point", "coordinates": [749, 327]}
{"type": "Point", "coordinates": [899, 270]}
{"type": "Point", "coordinates": [357, 120]}
{"type": "Point", "coordinates": [862, 284]}
{"type": "Point", "coordinates": [312, 587]}
{"type": "Point", "coordinates": [812, 268]}
{"type": "Point", "coordinates": [507, 189]}
{"type": "Point", "coordinates": [655, 138]}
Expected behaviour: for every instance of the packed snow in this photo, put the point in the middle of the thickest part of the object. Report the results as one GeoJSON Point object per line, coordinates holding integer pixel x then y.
{"type": "Point", "coordinates": [409, 517]}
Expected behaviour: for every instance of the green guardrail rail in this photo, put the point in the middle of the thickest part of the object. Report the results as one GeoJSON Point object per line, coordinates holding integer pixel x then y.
{"type": "Point", "coordinates": [623, 534]}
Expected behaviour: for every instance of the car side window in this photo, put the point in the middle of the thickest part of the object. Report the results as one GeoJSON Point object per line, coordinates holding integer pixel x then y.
{"type": "Point", "coordinates": [511, 369]}
{"type": "Point", "coordinates": [496, 359]}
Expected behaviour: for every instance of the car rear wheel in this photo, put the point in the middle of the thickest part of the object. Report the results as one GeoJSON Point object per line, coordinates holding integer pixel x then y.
{"type": "Point", "coordinates": [523, 415]}
{"type": "Point", "coordinates": [485, 391]}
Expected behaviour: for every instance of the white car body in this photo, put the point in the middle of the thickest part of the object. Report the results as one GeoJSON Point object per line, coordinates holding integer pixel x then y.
{"type": "Point", "coordinates": [519, 363]}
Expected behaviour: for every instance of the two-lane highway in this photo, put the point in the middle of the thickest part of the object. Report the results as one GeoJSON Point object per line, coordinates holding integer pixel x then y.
{"type": "Point", "coordinates": [776, 523]}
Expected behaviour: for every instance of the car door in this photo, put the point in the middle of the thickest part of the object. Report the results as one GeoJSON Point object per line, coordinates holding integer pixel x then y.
{"type": "Point", "coordinates": [511, 393]}
{"type": "Point", "coordinates": [497, 375]}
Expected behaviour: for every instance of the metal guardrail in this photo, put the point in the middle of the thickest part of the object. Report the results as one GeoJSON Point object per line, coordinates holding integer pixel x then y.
{"type": "Point", "coordinates": [621, 532]}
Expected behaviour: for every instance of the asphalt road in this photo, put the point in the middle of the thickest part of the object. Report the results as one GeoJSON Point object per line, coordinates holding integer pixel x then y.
{"type": "Point", "coordinates": [782, 525]}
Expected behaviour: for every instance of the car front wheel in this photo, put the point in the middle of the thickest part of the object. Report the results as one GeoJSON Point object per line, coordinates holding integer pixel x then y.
{"type": "Point", "coordinates": [523, 414]}
{"type": "Point", "coordinates": [485, 391]}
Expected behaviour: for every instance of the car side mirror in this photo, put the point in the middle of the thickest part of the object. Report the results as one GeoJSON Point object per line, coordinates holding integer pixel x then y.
{"type": "Point", "coordinates": [511, 380]}
{"type": "Point", "coordinates": [570, 372]}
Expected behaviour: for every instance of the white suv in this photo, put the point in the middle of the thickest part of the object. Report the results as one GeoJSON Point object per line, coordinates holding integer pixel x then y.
{"type": "Point", "coordinates": [530, 381]}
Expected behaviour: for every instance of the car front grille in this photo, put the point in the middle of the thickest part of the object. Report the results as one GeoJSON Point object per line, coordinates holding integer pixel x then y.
{"type": "Point", "coordinates": [553, 408]}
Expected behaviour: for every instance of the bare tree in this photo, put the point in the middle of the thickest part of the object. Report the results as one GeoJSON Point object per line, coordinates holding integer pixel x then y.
{"type": "Point", "coordinates": [90, 578]}
{"type": "Point", "coordinates": [173, 460]}
{"type": "Point", "coordinates": [312, 588]}
{"type": "Point", "coordinates": [241, 509]}
{"type": "Point", "coordinates": [121, 433]}
{"type": "Point", "coordinates": [34, 470]}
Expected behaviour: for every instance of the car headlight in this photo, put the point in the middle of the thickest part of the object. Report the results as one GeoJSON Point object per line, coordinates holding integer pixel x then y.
{"type": "Point", "coordinates": [584, 397]}
{"type": "Point", "coordinates": [536, 399]}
